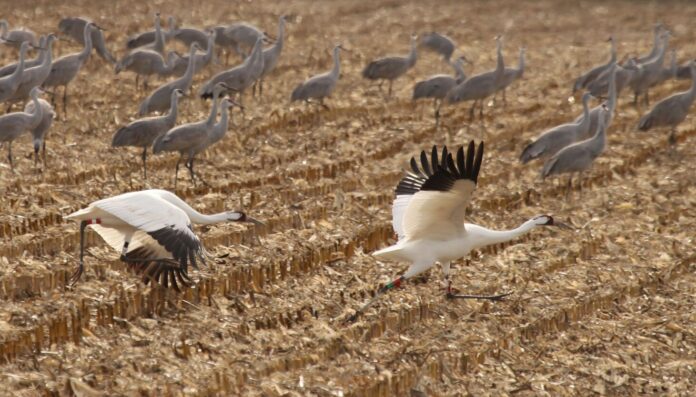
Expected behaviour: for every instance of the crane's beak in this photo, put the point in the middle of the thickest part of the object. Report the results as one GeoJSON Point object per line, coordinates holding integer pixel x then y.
{"type": "Point", "coordinates": [254, 221]}
{"type": "Point", "coordinates": [562, 225]}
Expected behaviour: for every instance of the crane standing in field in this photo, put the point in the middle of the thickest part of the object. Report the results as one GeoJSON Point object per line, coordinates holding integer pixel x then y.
{"type": "Point", "coordinates": [39, 132]}
{"type": "Point", "coordinates": [510, 75]}
{"type": "Point", "coordinates": [671, 111]}
{"type": "Point", "coordinates": [16, 37]}
{"type": "Point", "coordinates": [240, 77]}
{"type": "Point", "coordinates": [74, 28]}
{"type": "Point", "coordinates": [579, 156]}
{"type": "Point", "coordinates": [428, 217]}
{"type": "Point", "coordinates": [146, 63]}
{"type": "Point", "coordinates": [189, 138]}
{"type": "Point", "coordinates": [142, 133]}
{"type": "Point", "coordinates": [159, 100]}
{"type": "Point", "coordinates": [149, 37]}
{"type": "Point", "coordinates": [657, 41]}
{"type": "Point", "coordinates": [321, 85]}
{"type": "Point", "coordinates": [272, 55]}
{"type": "Point", "coordinates": [481, 86]}
{"type": "Point", "coordinates": [582, 81]}
{"type": "Point", "coordinates": [439, 85]}
{"type": "Point", "coordinates": [153, 231]}
{"type": "Point", "coordinates": [65, 69]}
{"type": "Point", "coordinates": [28, 63]}
{"type": "Point", "coordinates": [9, 83]}
{"type": "Point", "coordinates": [200, 60]}
{"type": "Point", "coordinates": [238, 35]}
{"type": "Point", "coordinates": [189, 36]}
{"type": "Point", "coordinates": [649, 72]}
{"type": "Point", "coordinates": [438, 43]}
{"type": "Point", "coordinates": [35, 76]}
{"type": "Point", "coordinates": [12, 125]}
{"type": "Point", "coordinates": [392, 67]}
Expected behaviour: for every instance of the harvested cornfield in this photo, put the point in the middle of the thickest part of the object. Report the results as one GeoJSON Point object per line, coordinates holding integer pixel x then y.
{"type": "Point", "coordinates": [605, 308]}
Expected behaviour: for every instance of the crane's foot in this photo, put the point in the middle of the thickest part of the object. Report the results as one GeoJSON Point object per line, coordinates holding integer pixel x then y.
{"type": "Point", "coordinates": [493, 298]}
{"type": "Point", "coordinates": [75, 277]}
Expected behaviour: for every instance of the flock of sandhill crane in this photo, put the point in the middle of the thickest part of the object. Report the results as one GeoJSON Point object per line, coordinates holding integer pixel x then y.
{"type": "Point", "coordinates": [152, 228]}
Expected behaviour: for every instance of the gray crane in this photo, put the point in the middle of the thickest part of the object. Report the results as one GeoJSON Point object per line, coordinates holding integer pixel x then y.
{"type": "Point", "coordinates": [481, 86]}
{"type": "Point", "coordinates": [39, 132]}
{"type": "Point", "coordinates": [220, 128]}
{"type": "Point", "coordinates": [321, 85]}
{"type": "Point", "coordinates": [556, 138]}
{"type": "Point", "coordinates": [657, 32]}
{"type": "Point", "coordinates": [9, 83]}
{"type": "Point", "coordinates": [272, 54]}
{"type": "Point", "coordinates": [439, 85]}
{"type": "Point", "coordinates": [16, 37]}
{"type": "Point", "coordinates": [74, 28]}
{"type": "Point", "coordinates": [12, 125]}
{"type": "Point", "coordinates": [189, 36]}
{"type": "Point", "coordinates": [160, 99]}
{"type": "Point", "coordinates": [65, 69]}
{"type": "Point", "coordinates": [668, 73]}
{"type": "Point", "coordinates": [648, 72]}
{"type": "Point", "coordinates": [200, 59]}
{"type": "Point", "coordinates": [392, 67]}
{"type": "Point", "coordinates": [146, 63]}
{"type": "Point", "coordinates": [34, 77]}
{"type": "Point", "coordinates": [240, 77]}
{"type": "Point", "coordinates": [579, 156]}
{"type": "Point", "coordinates": [624, 74]}
{"type": "Point", "coordinates": [143, 132]}
{"type": "Point", "coordinates": [598, 111]}
{"type": "Point", "coordinates": [683, 71]}
{"type": "Point", "coordinates": [510, 75]}
{"type": "Point", "coordinates": [582, 81]}
{"type": "Point", "coordinates": [239, 35]}
{"type": "Point", "coordinates": [28, 64]}
{"type": "Point", "coordinates": [188, 138]}
{"type": "Point", "coordinates": [671, 111]}
{"type": "Point", "coordinates": [160, 39]}
{"type": "Point", "coordinates": [149, 37]}
{"type": "Point", "coordinates": [438, 43]}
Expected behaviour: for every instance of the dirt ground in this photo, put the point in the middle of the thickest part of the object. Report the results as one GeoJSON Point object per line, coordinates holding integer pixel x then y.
{"type": "Point", "coordinates": [606, 308]}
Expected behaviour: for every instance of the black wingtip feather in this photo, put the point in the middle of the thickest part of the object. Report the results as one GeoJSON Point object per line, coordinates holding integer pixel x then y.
{"type": "Point", "coordinates": [424, 164]}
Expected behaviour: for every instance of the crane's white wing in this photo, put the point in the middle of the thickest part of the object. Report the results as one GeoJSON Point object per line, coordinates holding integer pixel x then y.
{"type": "Point", "coordinates": [431, 202]}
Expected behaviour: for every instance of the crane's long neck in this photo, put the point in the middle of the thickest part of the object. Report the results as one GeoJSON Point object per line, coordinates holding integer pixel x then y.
{"type": "Point", "coordinates": [187, 78]}
{"type": "Point", "coordinates": [584, 123]}
{"type": "Point", "coordinates": [278, 46]}
{"type": "Point", "coordinates": [413, 55]}
{"type": "Point", "coordinates": [84, 54]}
{"type": "Point", "coordinates": [500, 64]}
{"type": "Point", "coordinates": [171, 24]}
{"type": "Point", "coordinates": [611, 102]}
{"type": "Point", "coordinates": [483, 237]}
{"type": "Point", "coordinates": [613, 50]}
{"type": "Point", "coordinates": [599, 139]}
{"type": "Point", "coordinates": [19, 70]}
{"type": "Point", "coordinates": [520, 65]}
{"type": "Point", "coordinates": [337, 63]}
{"type": "Point", "coordinates": [211, 46]}
{"type": "Point", "coordinates": [221, 127]}
{"type": "Point", "coordinates": [49, 53]}
{"type": "Point", "coordinates": [170, 118]}
{"type": "Point", "coordinates": [458, 67]}
{"type": "Point", "coordinates": [159, 36]}
{"type": "Point", "coordinates": [38, 109]}
{"type": "Point", "coordinates": [692, 91]}
{"type": "Point", "coordinates": [3, 29]}
{"type": "Point", "coordinates": [195, 216]}
{"type": "Point", "coordinates": [213, 112]}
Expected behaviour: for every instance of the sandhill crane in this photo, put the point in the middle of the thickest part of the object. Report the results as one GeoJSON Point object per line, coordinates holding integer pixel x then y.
{"type": "Point", "coordinates": [65, 68]}
{"type": "Point", "coordinates": [428, 217]}
{"type": "Point", "coordinates": [143, 132]}
{"type": "Point", "coordinates": [657, 41]}
{"type": "Point", "coordinates": [12, 125]}
{"type": "Point", "coordinates": [9, 83]}
{"type": "Point", "coordinates": [240, 34]}
{"type": "Point", "coordinates": [189, 36]}
{"type": "Point", "coordinates": [220, 128]}
{"type": "Point", "coordinates": [481, 86]}
{"type": "Point", "coordinates": [321, 85]}
{"type": "Point", "coordinates": [74, 28]}
{"type": "Point", "coordinates": [598, 111]}
{"type": "Point", "coordinates": [649, 72]}
{"type": "Point", "coordinates": [272, 54]}
{"type": "Point", "coordinates": [39, 132]}
{"type": "Point", "coordinates": [153, 231]}
{"type": "Point", "coordinates": [16, 37]}
{"type": "Point", "coordinates": [439, 85]}
{"type": "Point", "coordinates": [146, 63]}
{"type": "Point", "coordinates": [188, 138]}
{"type": "Point", "coordinates": [439, 43]}
{"type": "Point", "coordinates": [582, 81]}
{"type": "Point", "coordinates": [158, 44]}
{"type": "Point", "coordinates": [392, 67]}
{"type": "Point", "coordinates": [667, 73]}
{"type": "Point", "coordinates": [671, 111]}
{"type": "Point", "coordinates": [149, 37]}
{"type": "Point", "coordinates": [240, 77]}
{"type": "Point", "coordinates": [579, 156]}
{"type": "Point", "coordinates": [683, 71]}
{"type": "Point", "coordinates": [159, 100]}
{"type": "Point", "coordinates": [624, 73]}
{"type": "Point", "coordinates": [28, 64]}
{"type": "Point", "coordinates": [556, 138]}
{"type": "Point", "coordinates": [200, 60]}
{"type": "Point", "coordinates": [510, 75]}
{"type": "Point", "coordinates": [34, 77]}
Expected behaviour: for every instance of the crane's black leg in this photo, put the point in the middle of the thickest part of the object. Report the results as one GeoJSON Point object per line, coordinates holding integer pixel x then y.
{"type": "Point", "coordinates": [471, 112]}
{"type": "Point", "coordinates": [145, 162]}
{"type": "Point", "coordinates": [36, 156]}
{"type": "Point", "coordinates": [437, 113]}
{"type": "Point", "coordinates": [504, 98]}
{"type": "Point", "coordinates": [9, 155]}
{"type": "Point", "coordinates": [81, 268]}
{"type": "Point", "coordinates": [189, 165]}
{"type": "Point", "coordinates": [65, 101]}
{"type": "Point", "coordinates": [43, 153]}
{"type": "Point", "coordinates": [498, 297]}
{"type": "Point", "coordinates": [394, 284]}
{"type": "Point", "coordinates": [390, 89]}
{"type": "Point", "coordinates": [176, 173]}
{"type": "Point", "coordinates": [261, 87]}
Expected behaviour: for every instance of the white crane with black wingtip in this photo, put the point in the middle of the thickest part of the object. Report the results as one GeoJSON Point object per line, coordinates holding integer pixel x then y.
{"type": "Point", "coordinates": [428, 217]}
{"type": "Point", "coordinates": [153, 231]}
